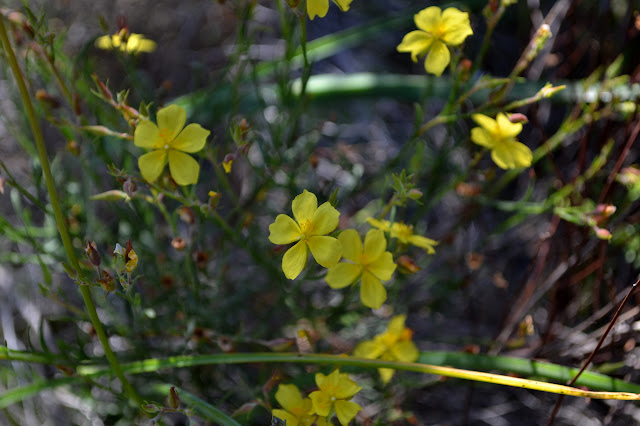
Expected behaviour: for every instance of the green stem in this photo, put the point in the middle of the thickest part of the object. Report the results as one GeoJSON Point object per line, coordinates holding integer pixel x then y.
{"type": "Point", "coordinates": [57, 210]}
{"type": "Point", "coordinates": [155, 364]}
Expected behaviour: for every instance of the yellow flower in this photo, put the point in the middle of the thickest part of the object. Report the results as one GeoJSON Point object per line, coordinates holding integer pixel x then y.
{"type": "Point", "coordinates": [126, 42]}
{"type": "Point", "coordinates": [296, 408]}
{"type": "Point", "coordinates": [308, 229]}
{"type": "Point", "coordinates": [371, 263]}
{"type": "Point", "coordinates": [336, 390]}
{"type": "Point", "coordinates": [499, 136]}
{"type": "Point", "coordinates": [321, 7]}
{"type": "Point", "coordinates": [393, 345]}
{"type": "Point", "coordinates": [169, 142]}
{"type": "Point", "coordinates": [404, 234]}
{"type": "Point", "coordinates": [437, 30]}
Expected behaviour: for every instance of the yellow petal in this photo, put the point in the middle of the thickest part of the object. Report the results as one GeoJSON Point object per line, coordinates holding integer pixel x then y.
{"type": "Point", "coordinates": [191, 139]}
{"type": "Point", "coordinates": [171, 120]}
{"type": "Point", "coordinates": [482, 137]}
{"type": "Point", "coordinates": [372, 292]}
{"type": "Point", "coordinates": [304, 206]}
{"type": "Point", "coordinates": [183, 167]}
{"type": "Point", "coordinates": [380, 224]}
{"type": "Point", "coordinates": [438, 58]}
{"type": "Point", "coordinates": [104, 42]}
{"type": "Point", "coordinates": [428, 19]}
{"type": "Point", "coordinates": [457, 26]}
{"type": "Point", "coordinates": [342, 274]}
{"type": "Point", "coordinates": [346, 387]}
{"type": "Point", "coordinates": [322, 380]}
{"type": "Point", "coordinates": [289, 418]}
{"type": "Point", "coordinates": [383, 267]}
{"type": "Point", "coordinates": [147, 135]}
{"type": "Point", "coordinates": [343, 4]}
{"type": "Point", "coordinates": [405, 351]}
{"type": "Point", "coordinates": [423, 242]}
{"type": "Point", "coordinates": [321, 403]}
{"type": "Point", "coordinates": [294, 260]}
{"type": "Point", "coordinates": [325, 219]}
{"type": "Point", "coordinates": [507, 128]}
{"type": "Point", "coordinates": [152, 163]}
{"type": "Point", "coordinates": [289, 397]}
{"type": "Point", "coordinates": [351, 245]}
{"type": "Point", "coordinates": [509, 155]}
{"type": "Point", "coordinates": [416, 42]}
{"type": "Point", "coordinates": [284, 230]}
{"type": "Point", "coordinates": [368, 349]}
{"type": "Point", "coordinates": [346, 411]}
{"type": "Point", "coordinates": [326, 250]}
{"type": "Point", "coordinates": [321, 421]}
{"type": "Point", "coordinates": [396, 325]}
{"type": "Point", "coordinates": [488, 123]}
{"type": "Point", "coordinates": [386, 374]}
{"type": "Point", "coordinates": [317, 7]}
{"type": "Point", "coordinates": [137, 44]}
{"type": "Point", "coordinates": [374, 244]}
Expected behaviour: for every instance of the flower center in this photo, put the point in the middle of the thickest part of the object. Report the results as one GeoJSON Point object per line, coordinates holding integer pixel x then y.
{"type": "Point", "coordinates": [333, 398]}
{"type": "Point", "coordinates": [306, 229]}
{"type": "Point", "coordinates": [402, 231]}
{"type": "Point", "coordinates": [438, 31]}
{"type": "Point", "coordinates": [164, 135]}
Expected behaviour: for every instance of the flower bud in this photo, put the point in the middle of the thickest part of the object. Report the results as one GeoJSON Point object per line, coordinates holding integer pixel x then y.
{"type": "Point", "coordinates": [518, 118]}
{"type": "Point", "coordinates": [104, 90]}
{"type": "Point", "coordinates": [186, 215]}
{"type": "Point", "coordinates": [407, 265]}
{"type": "Point", "coordinates": [92, 252]}
{"type": "Point", "coordinates": [602, 233]}
{"type": "Point", "coordinates": [178, 243]}
{"type": "Point", "coordinates": [214, 198]}
{"type": "Point", "coordinates": [73, 147]}
{"type": "Point", "coordinates": [174, 399]}
{"type": "Point", "coordinates": [44, 97]}
{"type": "Point", "coordinates": [129, 187]}
{"type": "Point", "coordinates": [107, 282]}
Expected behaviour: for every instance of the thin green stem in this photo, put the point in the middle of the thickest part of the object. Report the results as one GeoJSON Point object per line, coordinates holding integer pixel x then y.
{"type": "Point", "coordinates": [57, 210]}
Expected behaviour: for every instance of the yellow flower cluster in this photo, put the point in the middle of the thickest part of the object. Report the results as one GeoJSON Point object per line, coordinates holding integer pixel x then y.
{"type": "Point", "coordinates": [368, 263]}
{"type": "Point", "coordinates": [332, 397]}
{"type": "Point", "coordinates": [126, 42]}
{"type": "Point", "coordinates": [393, 345]}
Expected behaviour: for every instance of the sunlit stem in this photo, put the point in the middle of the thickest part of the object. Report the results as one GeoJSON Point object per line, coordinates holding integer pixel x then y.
{"type": "Point", "coordinates": [60, 219]}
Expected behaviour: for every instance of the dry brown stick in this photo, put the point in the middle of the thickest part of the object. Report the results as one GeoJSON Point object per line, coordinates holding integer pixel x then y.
{"type": "Point", "coordinates": [556, 408]}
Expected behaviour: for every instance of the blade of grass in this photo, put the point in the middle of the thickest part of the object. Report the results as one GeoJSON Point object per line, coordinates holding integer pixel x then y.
{"type": "Point", "coordinates": [18, 394]}
{"type": "Point", "coordinates": [614, 388]}
{"type": "Point", "coordinates": [155, 364]}
{"type": "Point", "coordinates": [528, 368]}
